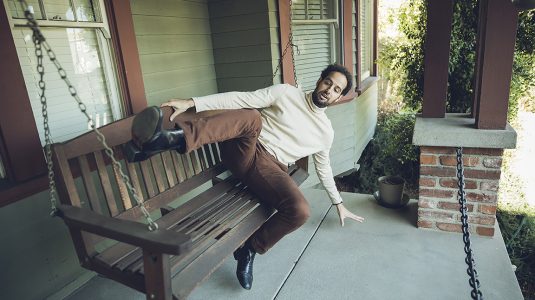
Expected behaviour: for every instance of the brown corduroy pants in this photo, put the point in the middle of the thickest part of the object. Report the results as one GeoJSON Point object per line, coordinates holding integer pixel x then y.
{"type": "Point", "coordinates": [238, 131]}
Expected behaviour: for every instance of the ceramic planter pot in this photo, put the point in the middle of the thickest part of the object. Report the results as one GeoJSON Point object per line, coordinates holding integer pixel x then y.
{"type": "Point", "coordinates": [390, 192]}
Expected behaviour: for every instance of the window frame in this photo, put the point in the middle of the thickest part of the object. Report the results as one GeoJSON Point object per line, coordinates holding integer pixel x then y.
{"type": "Point", "coordinates": [346, 38]}
{"type": "Point", "coordinates": [20, 146]}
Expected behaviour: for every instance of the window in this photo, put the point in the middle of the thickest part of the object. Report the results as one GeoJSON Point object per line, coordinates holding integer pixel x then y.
{"type": "Point", "coordinates": [366, 56]}
{"type": "Point", "coordinates": [83, 27]}
{"type": "Point", "coordinates": [316, 32]}
{"type": "Point", "coordinates": [329, 31]}
{"type": "Point", "coordinates": [78, 33]}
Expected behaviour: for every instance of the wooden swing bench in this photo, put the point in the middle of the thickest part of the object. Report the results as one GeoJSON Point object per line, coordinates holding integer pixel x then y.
{"type": "Point", "coordinates": [203, 216]}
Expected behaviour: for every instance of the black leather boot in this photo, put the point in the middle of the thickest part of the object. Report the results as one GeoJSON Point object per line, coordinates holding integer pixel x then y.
{"type": "Point", "coordinates": [244, 271]}
{"type": "Point", "coordinates": [148, 137]}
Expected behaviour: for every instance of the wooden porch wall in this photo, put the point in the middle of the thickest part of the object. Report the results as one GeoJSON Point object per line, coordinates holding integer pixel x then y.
{"type": "Point", "coordinates": [245, 38]}
{"type": "Point", "coordinates": [354, 125]}
{"type": "Point", "coordinates": [175, 48]}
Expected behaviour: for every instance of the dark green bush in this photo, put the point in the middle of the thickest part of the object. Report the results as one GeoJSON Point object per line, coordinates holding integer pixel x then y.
{"type": "Point", "coordinates": [405, 56]}
{"type": "Point", "coordinates": [518, 231]}
{"type": "Point", "coordinates": [389, 153]}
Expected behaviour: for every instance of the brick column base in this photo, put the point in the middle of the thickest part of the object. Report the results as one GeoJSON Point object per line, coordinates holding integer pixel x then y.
{"type": "Point", "coordinates": [438, 207]}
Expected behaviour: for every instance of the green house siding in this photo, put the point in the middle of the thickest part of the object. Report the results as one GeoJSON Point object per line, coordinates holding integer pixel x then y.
{"type": "Point", "coordinates": [366, 118]}
{"type": "Point", "coordinates": [245, 39]}
{"type": "Point", "coordinates": [36, 253]}
{"type": "Point", "coordinates": [175, 49]}
{"type": "Point", "coordinates": [354, 125]}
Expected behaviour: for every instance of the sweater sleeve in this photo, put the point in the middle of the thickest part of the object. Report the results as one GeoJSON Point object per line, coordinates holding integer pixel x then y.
{"type": "Point", "coordinates": [234, 100]}
{"type": "Point", "coordinates": [325, 174]}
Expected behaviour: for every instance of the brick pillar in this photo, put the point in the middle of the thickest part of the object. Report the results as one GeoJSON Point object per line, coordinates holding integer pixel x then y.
{"type": "Point", "coordinates": [438, 207]}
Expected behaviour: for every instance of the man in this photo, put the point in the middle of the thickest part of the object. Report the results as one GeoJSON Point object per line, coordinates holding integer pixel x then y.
{"type": "Point", "coordinates": [257, 148]}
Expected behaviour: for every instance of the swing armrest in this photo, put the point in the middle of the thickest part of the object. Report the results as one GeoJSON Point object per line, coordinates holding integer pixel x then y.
{"type": "Point", "coordinates": [134, 233]}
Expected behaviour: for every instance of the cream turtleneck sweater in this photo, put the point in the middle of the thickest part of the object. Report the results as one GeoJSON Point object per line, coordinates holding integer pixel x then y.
{"type": "Point", "coordinates": [292, 126]}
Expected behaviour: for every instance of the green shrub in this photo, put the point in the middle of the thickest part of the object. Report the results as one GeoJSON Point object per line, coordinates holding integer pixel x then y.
{"type": "Point", "coordinates": [404, 57]}
{"type": "Point", "coordinates": [518, 231]}
{"type": "Point", "coordinates": [390, 152]}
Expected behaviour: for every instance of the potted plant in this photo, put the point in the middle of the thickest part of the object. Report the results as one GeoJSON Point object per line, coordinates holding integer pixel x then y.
{"type": "Point", "coordinates": [390, 193]}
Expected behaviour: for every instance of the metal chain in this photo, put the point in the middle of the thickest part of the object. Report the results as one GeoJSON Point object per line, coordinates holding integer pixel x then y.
{"type": "Point", "coordinates": [289, 45]}
{"type": "Point", "coordinates": [44, 111]}
{"type": "Point", "coordinates": [40, 43]}
{"type": "Point", "coordinates": [473, 281]}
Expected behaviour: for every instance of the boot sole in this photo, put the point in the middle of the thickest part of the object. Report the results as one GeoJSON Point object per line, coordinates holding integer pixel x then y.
{"type": "Point", "coordinates": [145, 125]}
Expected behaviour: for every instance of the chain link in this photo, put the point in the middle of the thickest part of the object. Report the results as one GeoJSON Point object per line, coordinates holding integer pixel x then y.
{"type": "Point", "coordinates": [461, 195]}
{"type": "Point", "coordinates": [48, 139]}
{"type": "Point", "coordinates": [289, 45]}
{"type": "Point", "coordinates": [40, 44]}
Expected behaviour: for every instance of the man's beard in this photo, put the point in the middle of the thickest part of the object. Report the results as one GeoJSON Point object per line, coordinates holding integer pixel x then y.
{"type": "Point", "coordinates": [317, 101]}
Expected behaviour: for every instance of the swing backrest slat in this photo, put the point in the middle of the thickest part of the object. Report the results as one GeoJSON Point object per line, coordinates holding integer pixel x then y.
{"type": "Point", "coordinates": [157, 170]}
{"type": "Point", "coordinates": [177, 163]}
{"type": "Point", "coordinates": [168, 168]}
{"type": "Point", "coordinates": [195, 162]}
{"type": "Point", "coordinates": [106, 183]}
{"type": "Point", "coordinates": [89, 184]}
{"type": "Point", "coordinates": [148, 178]}
{"type": "Point", "coordinates": [208, 156]}
{"type": "Point", "coordinates": [134, 176]}
{"type": "Point", "coordinates": [123, 190]}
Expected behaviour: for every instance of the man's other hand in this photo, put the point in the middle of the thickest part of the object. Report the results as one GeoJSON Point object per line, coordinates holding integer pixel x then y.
{"type": "Point", "coordinates": [179, 106]}
{"type": "Point", "coordinates": [345, 213]}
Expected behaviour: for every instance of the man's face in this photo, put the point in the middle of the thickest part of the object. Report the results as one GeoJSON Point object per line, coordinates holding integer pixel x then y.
{"type": "Point", "coordinates": [329, 89]}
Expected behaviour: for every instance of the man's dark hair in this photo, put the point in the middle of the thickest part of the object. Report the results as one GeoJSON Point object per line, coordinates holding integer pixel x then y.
{"type": "Point", "coordinates": [341, 69]}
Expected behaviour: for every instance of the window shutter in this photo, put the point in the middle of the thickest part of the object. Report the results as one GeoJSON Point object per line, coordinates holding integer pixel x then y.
{"type": "Point", "coordinates": [316, 41]}
{"type": "Point", "coordinates": [78, 52]}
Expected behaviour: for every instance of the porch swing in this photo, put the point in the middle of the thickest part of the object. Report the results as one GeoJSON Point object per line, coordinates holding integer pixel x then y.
{"type": "Point", "coordinates": [164, 258]}
{"type": "Point", "coordinates": [169, 257]}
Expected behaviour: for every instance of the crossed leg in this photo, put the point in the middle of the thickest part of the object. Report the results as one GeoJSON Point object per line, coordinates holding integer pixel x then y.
{"type": "Point", "coordinates": [246, 158]}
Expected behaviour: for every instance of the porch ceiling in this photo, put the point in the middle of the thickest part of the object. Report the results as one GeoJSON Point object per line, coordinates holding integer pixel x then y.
{"type": "Point", "coordinates": [386, 257]}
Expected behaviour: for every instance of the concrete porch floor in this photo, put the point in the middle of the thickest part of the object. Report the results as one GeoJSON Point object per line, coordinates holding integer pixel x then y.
{"type": "Point", "coordinates": [386, 257]}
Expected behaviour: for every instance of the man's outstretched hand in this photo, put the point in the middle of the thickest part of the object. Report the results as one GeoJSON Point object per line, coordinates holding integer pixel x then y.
{"type": "Point", "coordinates": [345, 213]}
{"type": "Point", "coordinates": [179, 106]}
